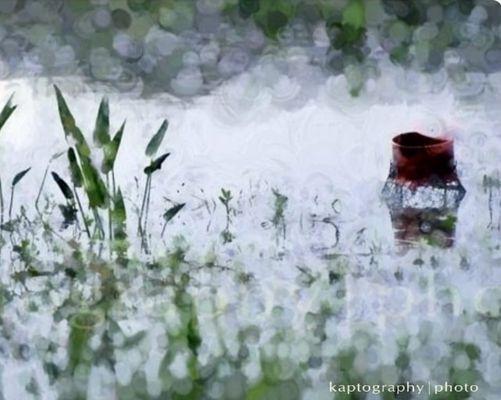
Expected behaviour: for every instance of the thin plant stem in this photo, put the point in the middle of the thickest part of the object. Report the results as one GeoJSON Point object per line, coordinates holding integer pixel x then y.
{"type": "Point", "coordinates": [110, 230]}
{"type": "Point", "coordinates": [147, 208]}
{"type": "Point", "coordinates": [140, 222]}
{"type": "Point", "coordinates": [163, 229]}
{"type": "Point", "coordinates": [81, 211]}
{"type": "Point", "coordinates": [113, 184]}
{"type": "Point", "coordinates": [99, 223]}
{"type": "Point", "coordinates": [141, 234]}
{"type": "Point", "coordinates": [141, 231]}
{"type": "Point", "coordinates": [1, 203]}
{"type": "Point", "coordinates": [41, 187]}
{"type": "Point", "coordinates": [11, 202]}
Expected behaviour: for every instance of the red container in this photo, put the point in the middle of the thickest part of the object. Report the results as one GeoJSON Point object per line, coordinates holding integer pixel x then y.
{"type": "Point", "coordinates": [423, 191]}
{"type": "Point", "coordinates": [418, 159]}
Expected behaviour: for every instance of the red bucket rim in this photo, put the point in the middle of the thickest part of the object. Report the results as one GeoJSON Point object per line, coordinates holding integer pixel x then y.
{"type": "Point", "coordinates": [428, 141]}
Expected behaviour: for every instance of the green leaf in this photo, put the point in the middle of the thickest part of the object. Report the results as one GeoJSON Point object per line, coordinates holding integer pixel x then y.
{"type": "Point", "coordinates": [76, 172]}
{"type": "Point", "coordinates": [19, 176]}
{"type": "Point", "coordinates": [102, 129]}
{"type": "Point", "coordinates": [63, 186]}
{"type": "Point", "coordinates": [69, 213]}
{"type": "Point", "coordinates": [157, 139]}
{"type": "Point", "coordinates": [6, 112]}
{"type": "Point", "coordinates": [119, 213]}
{"type": "Point", "coordinates": [93, 184]}
{"type": "Point", "coordinates": [273, 16]}
{"type": "Point", "coordinates": [156, 164]}
{"type": "Point", "coordinates": [82, 326]}
{"type": "Point", "coordinates": [119, 217]}
{"type": "Point", "coordinates": [225, 196]}
{"type": "Point", "coordinates": [9, 226]}
{"type": "Point", "coordinates": [354, 14]}
{"type": "Point", "coordinates": [171, 212]}
{"type": "Point", "coordinates": [69, 125]}
{"type": "Point", "coordinates": [193, 333]}
{"type": "Point", "coordinates": [111, 151]}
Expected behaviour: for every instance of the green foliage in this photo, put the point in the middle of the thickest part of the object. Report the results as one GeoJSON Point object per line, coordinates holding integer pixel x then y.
{"type": "Point", "coordinates": [225, 197]}
{"type": "Point", "coordinates": [102, 137]}
{"type": "Point", "coordinates": [92, 181]}
{"type": "Point", "coordinates": [82, 327]}
{"type": "Point", "coordinates": [75, 170]}
{"type": "Point", "coordinates": [172, 212]}
{"type": "Point", "coordinates": [69, 213]}
{"type": "Point", "coordinates": [156, 140]}
{"type": "Point", "coordinates": [447, 224]}
{"type": "Point", "coordinates": [119, 212]}
{"type": "Point", "coordinates": [119, 218]}
{"type": "Point", "coordinates": [248, 7]}
{"type": "Point", "coordinates": [63, 186]}
{"type": "Point", "coordinates": [111, 151]}
{"type": "Point", "coordinates": [156, 164]}
{"type": "Point", "coordinates": [93, 184]}
{"type": "Point", "coordinates": [19, 176]}
{"type": "Point", "coordinates": [354, 14]}
{"type": "Point", "coordinates": [102, 129]}
{"type": "Point", "coordinates": [273, 16]}
{"type": "Point", "coordinates": [413, 14]}
{"type": "Point", "coordinates": [400, 54]}
{"type": "Point", "coordinates": [69, 126]}
{"type": "Point", "coordinates": [6, 112]}
{"type": "Point", "coordinates": [280, 206]}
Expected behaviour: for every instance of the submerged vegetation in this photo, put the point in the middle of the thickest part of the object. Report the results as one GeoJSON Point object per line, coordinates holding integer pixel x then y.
{"type": "Point", "coordinates": [97, 308]}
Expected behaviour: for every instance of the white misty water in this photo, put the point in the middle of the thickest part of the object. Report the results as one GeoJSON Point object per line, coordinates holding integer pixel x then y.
{"type": "Point", "coordinates": [245, 135]}
{"type": "Point", "coordinates": [320, 147]}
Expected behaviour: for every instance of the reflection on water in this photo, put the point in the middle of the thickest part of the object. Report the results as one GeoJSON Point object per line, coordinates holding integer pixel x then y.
{"type": "Point", "coordinates": [238, 299]}
{"type": "Point", "coordinates": [177, 328]}
{"type": "Point", "coordinates": [436, 226]}
{"type": "Point", "coordinates": [244, 322]}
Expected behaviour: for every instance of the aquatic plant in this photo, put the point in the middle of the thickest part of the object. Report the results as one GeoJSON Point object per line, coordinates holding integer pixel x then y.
{"type": "Point", "coordinates": [100, 185]}
{"type": "Point", "coordinates": [199, 318]}
{"type": "Point", "coordinates": [225, 198]}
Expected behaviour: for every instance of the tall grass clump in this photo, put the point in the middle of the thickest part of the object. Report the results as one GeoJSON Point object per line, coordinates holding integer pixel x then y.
{"type": "Point", "coordinates": [7, 111]}
{"type": "Point", "coordinates": [155, 165]}
{"type": "Point", "coordinates": [5, 114]}
{"type": "Point", "coordinates": [105, 201]}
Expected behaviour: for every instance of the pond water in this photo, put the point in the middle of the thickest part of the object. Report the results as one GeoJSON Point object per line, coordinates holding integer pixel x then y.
{"type": "Point", "coordinates": [288, 280]}
{"type": "Point", "coordinates": [231, 240]}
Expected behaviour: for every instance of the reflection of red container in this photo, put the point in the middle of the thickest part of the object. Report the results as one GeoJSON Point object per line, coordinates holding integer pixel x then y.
{"type": "Point", "coordinates": [418, 158]}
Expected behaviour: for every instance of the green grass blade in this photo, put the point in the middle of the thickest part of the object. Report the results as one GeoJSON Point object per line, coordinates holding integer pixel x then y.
{"type": "Point", "coordinates": [69, 126]}
{"type": "Point", "coordinates": [119, 215]}
{"type": "Point", "coordinates": [157, 139]}
{"type": "Point", "coordinates": [102, 129]}
{"type": "Point", "coordinates": [93, 184]}
{"type": "Point", "coordinates": [156, 164]}
{"type": "Point", "coordinates": [19, 176]}
{"type": "Point", "coordinates": [75, 170]}
{"type": "Point", "coordinates": [63, 186]}
{"type": "Point", "coordinates": [6, 112]}
{"type": "Point", "coordinates": [172, 212]}
{"type": "Point", "coordinates": [111, 151]}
